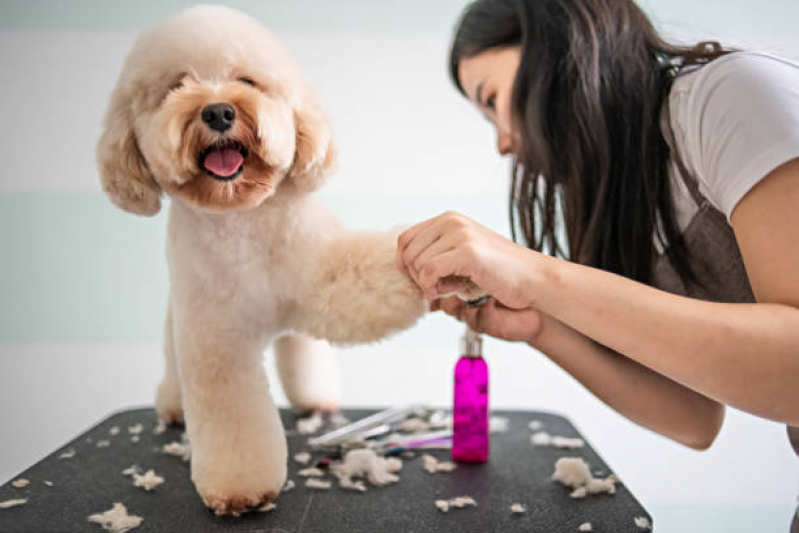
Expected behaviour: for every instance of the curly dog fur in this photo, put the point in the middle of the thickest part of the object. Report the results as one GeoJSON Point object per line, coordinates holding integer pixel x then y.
{"type": "Point", "coordinates": [210, 110]}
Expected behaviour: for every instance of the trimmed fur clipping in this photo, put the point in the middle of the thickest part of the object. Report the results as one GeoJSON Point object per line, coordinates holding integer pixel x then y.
{"type": "Point", "coordinates": [69, 454]}
{"type": "Point", "coordinates": [13, 503]}
{"type": "Point", "coordinates": [318, 484]}
{"type": "Point", "coordinates": [116, 519]}
{"type": "Point", "coordinates": [310, 472]}
{"type": "Point", "coordinates": [366, 463]}
{"type": "Point", "coordinates": [302, 457]}
{"type": "Point", "coordinates": [310, 424]}
{"type": "Point", "coordinates": [457, 502]}
{"type": "Point", "coordinates": [147, 481]}
{"type": "Point", "coordinates": [180, 449]}
{"type": "Point", "coordinates": [433, 465]}
{"type": "Point", "coordinates": [574, 472]}
{"type": "Point", "coordinates": [542, 438]}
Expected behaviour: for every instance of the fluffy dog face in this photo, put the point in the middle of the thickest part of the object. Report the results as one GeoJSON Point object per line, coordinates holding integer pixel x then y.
{"type": "Point", "coordinates": [220, 145]}
{"type": "Point", "coordinates": [210, 109]}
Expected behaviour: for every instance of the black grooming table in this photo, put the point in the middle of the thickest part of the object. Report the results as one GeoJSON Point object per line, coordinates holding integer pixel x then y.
{"type": "Point", "coordinates": [517, 472]}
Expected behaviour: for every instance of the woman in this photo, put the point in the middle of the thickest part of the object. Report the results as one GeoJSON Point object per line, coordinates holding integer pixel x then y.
{"type": "Point", "coordinates": [675, 173]}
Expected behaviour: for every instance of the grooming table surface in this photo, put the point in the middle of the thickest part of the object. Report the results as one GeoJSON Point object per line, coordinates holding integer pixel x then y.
{"type": "Point", "coordinates": [517, 472]}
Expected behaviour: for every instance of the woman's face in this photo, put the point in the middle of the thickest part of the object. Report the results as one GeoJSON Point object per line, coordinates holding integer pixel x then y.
{"type": "Point", "coordinates": [487, 78]}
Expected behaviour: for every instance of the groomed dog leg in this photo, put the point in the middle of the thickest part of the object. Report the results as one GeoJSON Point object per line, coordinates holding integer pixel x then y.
{"type": "Point", "coordinates": [168, 402]}
{"type": "Point", "coordinates": [238, 447]}
{"type": "Point", "coordinates": [309, 373]}
{"type": "Point", "coordinates": [357, 293]}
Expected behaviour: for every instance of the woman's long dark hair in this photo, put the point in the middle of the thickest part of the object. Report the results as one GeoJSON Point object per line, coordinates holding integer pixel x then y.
{"type": "Point", "coordinates": [586, 109]}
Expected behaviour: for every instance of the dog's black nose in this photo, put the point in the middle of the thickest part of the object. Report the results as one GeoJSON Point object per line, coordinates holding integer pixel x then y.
{"type": "Point", "coordinates": [219, 117]}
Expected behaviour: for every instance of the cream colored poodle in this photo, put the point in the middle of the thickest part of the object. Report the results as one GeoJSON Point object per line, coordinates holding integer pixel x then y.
{"type": "Point", "coordinates": [211, 110]}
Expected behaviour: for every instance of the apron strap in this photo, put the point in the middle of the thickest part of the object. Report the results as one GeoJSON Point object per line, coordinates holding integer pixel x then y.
{"type": "Point", "coordinates": [671, 141]}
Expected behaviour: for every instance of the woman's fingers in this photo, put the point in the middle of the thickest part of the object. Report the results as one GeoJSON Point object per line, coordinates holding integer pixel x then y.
{"type": "Point", "coordinates": [418, 238]}
{"type": "Point", "coordinates": [444, 244]}
{"type": "Point", "coordinates": [446, 264]}
{"type": "Point", "coordinates": [405, 239]}
{"type": "Point", "coordinates": [476, 317]}
{"type": "Point", "coordinates": [425, 239]}
{"type": "Point", "coordinates": [452, 305]}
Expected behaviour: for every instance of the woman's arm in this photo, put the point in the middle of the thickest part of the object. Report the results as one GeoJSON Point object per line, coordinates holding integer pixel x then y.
{"type": "Point", "coordinates": [636, 392]}
{"type": "Point", "coordinates": [745, 355]}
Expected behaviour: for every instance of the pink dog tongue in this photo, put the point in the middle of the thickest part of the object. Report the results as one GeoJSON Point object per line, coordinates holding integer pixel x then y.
{"type": "Point", "coordinates": [223, 162]}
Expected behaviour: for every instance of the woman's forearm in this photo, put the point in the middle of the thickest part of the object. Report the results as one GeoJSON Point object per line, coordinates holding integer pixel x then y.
{"type": "Point", "coordinates": [717, 349]}
{"type": "Point", "coordinates": [638, 393]}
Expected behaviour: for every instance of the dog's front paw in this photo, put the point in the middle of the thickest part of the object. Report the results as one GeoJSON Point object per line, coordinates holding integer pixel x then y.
{"type": "Point", "coordinates": [169, 404]}
{"type": "Point", "coordinates": [238, 489]}
{"type": "Point", "coordinates": [238, 467]}
{"type": "Point", "coordinates": [237, 504]}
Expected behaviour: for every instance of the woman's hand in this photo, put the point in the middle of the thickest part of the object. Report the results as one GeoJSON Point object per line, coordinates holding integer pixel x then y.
{"type": "Point", "coordinates": [494, 319]}
{"type": "Point", "coordinates": [438, 252]}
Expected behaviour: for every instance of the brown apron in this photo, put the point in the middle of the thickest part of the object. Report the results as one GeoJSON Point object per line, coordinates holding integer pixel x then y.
{"type": "Point", "coordinates": [714, 256]}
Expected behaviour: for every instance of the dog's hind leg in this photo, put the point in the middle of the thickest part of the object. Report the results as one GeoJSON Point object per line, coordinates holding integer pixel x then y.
{"type": "Point", "coordinates": [168, 402]}
{"type": "Point", "coordinates": [309, 373]}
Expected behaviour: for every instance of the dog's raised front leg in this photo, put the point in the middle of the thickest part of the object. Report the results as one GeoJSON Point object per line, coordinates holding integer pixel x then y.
{"type": "Point", "coordinates": [168, 402]}
{"type": "Point", "coordinates": [238, 448]}
{"type": "Point", "coordinates": [357, 294]}
{"type": "Point", "coordinates": [309, 373]}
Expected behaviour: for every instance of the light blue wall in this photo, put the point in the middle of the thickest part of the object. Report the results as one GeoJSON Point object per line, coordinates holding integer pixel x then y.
{"type": "Point", "coordinates": [281, 15]}
{"type": "Point", "coordinates": [75, 269]}
{"type": "Point", "coordinates": [735, 17]}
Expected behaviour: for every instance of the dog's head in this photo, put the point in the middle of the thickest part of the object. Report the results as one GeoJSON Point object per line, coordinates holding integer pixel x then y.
{"type": "Point", "coordinates": [211, 109]}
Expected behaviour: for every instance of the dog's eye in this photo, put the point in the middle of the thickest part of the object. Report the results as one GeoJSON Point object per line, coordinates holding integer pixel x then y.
{"type": "Point", "coordinates": [175, 86]}
{"type": "Point", "coordinates": [247, 80]}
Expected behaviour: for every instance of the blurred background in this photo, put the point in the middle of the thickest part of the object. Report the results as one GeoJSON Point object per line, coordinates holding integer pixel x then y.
{"type": "Point", "coordinates": [83, 285]}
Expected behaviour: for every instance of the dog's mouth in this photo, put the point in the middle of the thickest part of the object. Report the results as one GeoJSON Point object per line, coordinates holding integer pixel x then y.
{"type": "Point", "coordinates": [223, 160]}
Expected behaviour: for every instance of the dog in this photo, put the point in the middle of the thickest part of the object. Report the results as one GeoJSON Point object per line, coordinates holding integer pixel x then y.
{"type": "Point", "coordinates": [211, 111]}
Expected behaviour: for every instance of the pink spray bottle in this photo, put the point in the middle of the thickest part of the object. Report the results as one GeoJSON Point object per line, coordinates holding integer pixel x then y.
{"type": "Point", "coordinates": [470, 408]}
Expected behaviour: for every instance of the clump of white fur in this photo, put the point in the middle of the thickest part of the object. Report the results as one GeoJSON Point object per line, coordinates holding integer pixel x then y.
{"type": "Point", "coordinates": [310, 472]}
{"type": "Point", "coordinates": [366, 463]}
{"type": "Point", "coordinates": [13, 503]}
{"type": "Point", "coordinates": [116, 519]}
{"type": "Point", "coordinates": [518, 508]}
{"type": "Point", "coordinates": [180, 449]}
{"type": "Point", "coordinates": [317, 484]}
{"type": "Point", "coordinates": [309, 424]}
{"type": "Point", "coordinates": [542, 438]}
{"type": "Point", "coordinates": [302, 457]}
{"type": "Point", "coordinates": [433, 465]}
{"type": "Point", "coordinates": [575, 473]}
{"type": "Point", "coordinates": [147, 481]}
{"type": "Point", "coordinates": [457, 502]}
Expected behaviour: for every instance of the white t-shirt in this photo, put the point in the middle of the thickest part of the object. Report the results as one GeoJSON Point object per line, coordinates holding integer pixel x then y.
{"type": "Point", "coordinates": [734, 120]}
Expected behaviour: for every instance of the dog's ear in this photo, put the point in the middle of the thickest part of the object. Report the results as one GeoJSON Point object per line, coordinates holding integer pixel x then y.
{"type": "Point", "coordinates": [124, 174]}
{"type": "Point", "coordinates": [315, 155]}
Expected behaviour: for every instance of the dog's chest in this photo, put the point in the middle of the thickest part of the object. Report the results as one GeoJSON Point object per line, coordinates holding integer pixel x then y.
{"type": "Point", "coordinates": [230, 257]}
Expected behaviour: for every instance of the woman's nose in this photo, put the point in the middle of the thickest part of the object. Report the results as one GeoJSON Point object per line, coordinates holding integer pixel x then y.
{"type": "Point", "coordinates": [504, 143]}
